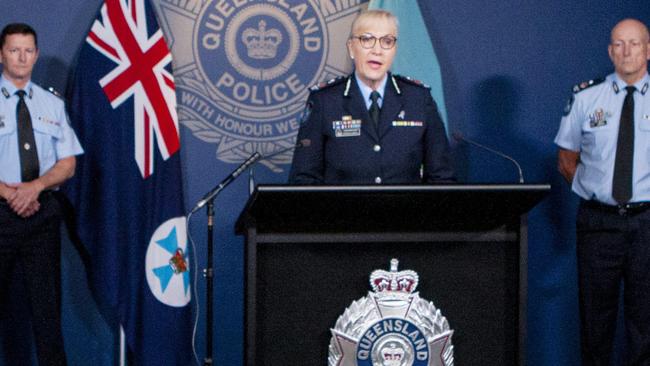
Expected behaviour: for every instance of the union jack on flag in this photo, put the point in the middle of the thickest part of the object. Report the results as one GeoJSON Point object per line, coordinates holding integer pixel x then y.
{"type": "Point", "coordinates": [130, 211]}
{"type": "Point", "coordinates": [122, 36]}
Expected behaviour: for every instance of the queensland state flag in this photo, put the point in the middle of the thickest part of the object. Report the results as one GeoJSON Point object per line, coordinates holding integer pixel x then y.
{"type": "Point", "coordinates": [127, 192]}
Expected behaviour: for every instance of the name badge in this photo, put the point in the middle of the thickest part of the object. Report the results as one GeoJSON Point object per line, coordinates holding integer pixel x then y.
{"type": "Point", "coordinates": [408, 123]}
{"type": "Point", "coordinates": [347, 127]}
{"type": "Point", "coordinates": [49, 121]}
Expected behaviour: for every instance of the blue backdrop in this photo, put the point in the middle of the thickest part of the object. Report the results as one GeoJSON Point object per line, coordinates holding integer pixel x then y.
{"type": "Point", "coordinates": [507, 70]}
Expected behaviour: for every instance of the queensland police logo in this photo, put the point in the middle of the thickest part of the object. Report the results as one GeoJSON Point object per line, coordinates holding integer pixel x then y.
{"type": "Point", "coordinates": [251, 65]}
{"type": "Point", "coordinates": [392, 326]}
{"type": "Point", "coordinates": [167, 265]}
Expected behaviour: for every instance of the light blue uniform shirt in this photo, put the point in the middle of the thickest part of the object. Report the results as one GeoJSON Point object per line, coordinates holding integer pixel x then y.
{"type": "Point", "coordinates": [591, 128]}
{"type": "Point", "coordinates": [366, 90]}
{"type": "Point", "coordinates": [54, 137]}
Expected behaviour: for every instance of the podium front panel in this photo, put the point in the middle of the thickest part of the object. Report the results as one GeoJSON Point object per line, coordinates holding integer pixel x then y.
{"type": "Point", "coordinates": [301, 288]}
{"type": "Point", "coordinates": [310, 252]}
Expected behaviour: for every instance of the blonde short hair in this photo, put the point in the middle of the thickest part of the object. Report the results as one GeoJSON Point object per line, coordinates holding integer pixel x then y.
{"type": "Point", "coordinates": [369, 16]}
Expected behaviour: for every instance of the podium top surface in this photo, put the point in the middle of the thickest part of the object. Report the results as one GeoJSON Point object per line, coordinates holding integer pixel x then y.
{"type": "Point", "coordinates": [283, 208]}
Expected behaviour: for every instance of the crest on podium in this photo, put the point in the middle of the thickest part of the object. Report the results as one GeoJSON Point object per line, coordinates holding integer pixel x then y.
{"type": "Point", "coordinates": [392, 326]}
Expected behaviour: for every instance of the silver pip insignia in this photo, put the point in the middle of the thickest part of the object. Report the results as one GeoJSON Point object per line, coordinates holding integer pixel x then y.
{"type": "Point", "coordinates": [392, 326]}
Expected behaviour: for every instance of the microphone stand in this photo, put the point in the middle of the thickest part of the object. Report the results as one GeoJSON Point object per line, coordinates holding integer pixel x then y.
{"type": "Point", "coordinates": [459, 137]}
{"type": "Point", "coordinates": [208, 272]}
{"type": "Point", "coordinates": [208, 200]}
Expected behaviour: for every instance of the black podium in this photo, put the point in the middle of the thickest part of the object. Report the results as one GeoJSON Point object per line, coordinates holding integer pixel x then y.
{"type": "Point", "coordinates": [310, 250]}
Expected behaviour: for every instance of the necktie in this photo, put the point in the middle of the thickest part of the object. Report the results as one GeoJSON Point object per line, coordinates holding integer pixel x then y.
{"type": "Point", "coordinates": [29, 169]}
{"type": "Point", "coordinates": [374, 107]}
{"type": "Point", "coordinates": [622, 182]}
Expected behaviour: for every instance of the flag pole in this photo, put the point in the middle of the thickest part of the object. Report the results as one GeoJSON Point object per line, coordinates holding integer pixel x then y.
{"type": "Point", "coordinates": [122, 347]}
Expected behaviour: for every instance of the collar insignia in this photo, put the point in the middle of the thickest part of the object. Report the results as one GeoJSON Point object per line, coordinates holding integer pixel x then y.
{"type": "Point", "coordinates": [397, 89]}
{"type": "Point", "coordinates": [347, 87]}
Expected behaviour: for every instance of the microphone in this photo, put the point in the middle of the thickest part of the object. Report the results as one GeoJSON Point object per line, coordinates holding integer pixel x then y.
{"type": "Point", "coordinates": [229, 179]}
{"type": "Point", "coordinates": [460, 138]}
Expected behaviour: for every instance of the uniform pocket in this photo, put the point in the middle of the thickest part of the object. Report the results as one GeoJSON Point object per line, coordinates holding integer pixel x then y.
{"type": "Point", "coordinates": [51, 129]}
{"type": "Point", "coordinates": [46, 135]}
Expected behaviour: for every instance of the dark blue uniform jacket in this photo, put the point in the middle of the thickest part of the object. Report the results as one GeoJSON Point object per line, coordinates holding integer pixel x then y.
{"type": "Point", "coordinates": [408, 146]}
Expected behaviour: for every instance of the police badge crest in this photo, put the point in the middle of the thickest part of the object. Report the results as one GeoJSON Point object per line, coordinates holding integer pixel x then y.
{"type": "Point", "coordinates": [243, 68]}
{"type": "Point", "coordinates": [392, 326]}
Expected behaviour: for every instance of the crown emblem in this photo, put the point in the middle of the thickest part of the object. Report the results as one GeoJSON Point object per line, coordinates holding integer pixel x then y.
{"type": "Point", "coordinates": [397, 282]}
{"type": "Point", "coordinates": [261, 43]}
{"type": "Point", "coordinates": [178, 262]}
{"type": "Point", "coordinates": [391, 354]}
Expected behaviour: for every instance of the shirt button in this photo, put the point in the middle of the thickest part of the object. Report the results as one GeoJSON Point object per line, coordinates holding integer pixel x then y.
{"type": "Point", "coordinates": [376, 148]}
{"type": "Point", "coordinates": [378, 180]}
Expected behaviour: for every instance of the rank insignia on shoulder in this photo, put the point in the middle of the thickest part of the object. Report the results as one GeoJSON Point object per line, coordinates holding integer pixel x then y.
{"type": "Point", "coordinates": [328, 83]}
{"type": "Point", "coordinates": [410, 80]}
{"type": "Point", "coordinates": [54, 92]}
{"type": "Point", "coordinates": [586, 84]}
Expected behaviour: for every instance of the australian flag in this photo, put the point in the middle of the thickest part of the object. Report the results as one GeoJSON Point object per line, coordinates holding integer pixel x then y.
{"type": "Point", "coordinates": [128, 193]}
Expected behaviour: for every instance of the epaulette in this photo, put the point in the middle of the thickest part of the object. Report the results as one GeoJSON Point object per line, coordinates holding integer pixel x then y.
{"type": "Point", "coordinates": [329, 83]}
{"type": "Point", "coordinates": [54, 92]}
{"type": "Point", "coordinates": [410, 80]}
{"type": "Point", "coordinates": [586, 85]}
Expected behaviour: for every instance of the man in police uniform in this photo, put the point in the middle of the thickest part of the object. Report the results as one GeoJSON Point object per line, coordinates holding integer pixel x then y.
{"type": "Point", "coordinates": [37, 154]}
{"type": "Point", "coordinates": [372, 126]}
{"type": "Point", "coordinates": [604, 141]}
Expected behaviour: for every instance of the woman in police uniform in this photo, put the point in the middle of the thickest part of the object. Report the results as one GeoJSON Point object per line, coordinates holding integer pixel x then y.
{"type": "Point", "coordinates": [371, 127]}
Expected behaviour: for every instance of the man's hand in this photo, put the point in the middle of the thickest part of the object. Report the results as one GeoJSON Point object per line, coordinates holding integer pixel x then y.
{"type": "Point", "coordinates": [6, 191]}
{"type": "Point", "coordinates": [31, 209]}
{"type": "Point", "coordinates": [24, 200]}
{"type": "Point", "coordinates": [567, 163]}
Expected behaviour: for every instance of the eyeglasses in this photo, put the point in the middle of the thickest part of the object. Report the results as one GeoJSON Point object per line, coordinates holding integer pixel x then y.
{"type": "Point", "coordinates": [368, 41]}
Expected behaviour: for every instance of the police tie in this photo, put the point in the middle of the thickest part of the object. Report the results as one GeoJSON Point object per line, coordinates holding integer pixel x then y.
{"type": "Point", "coordinates": [26, 144]}
{"type": "Point", "coordinates": [374, 107]}
{"type": "Point", "coordinates": [622, 182]}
